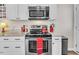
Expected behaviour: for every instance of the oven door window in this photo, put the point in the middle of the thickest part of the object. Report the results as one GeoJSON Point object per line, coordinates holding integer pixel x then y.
{"type": "Point", "coordinates": [36, 13]}
{"type": "Point", "coordinates": [45, 46]}
{"type": "Point", "coordinates": [33, 46]}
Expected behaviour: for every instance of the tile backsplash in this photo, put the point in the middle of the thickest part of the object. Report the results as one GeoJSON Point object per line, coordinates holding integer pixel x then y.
{"type": "Point", "coordinates": [17, 24]}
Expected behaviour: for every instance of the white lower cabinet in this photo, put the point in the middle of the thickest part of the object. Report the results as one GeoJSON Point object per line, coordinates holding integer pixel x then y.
{"type": "Point", "coordinates": [12, 52]}
{"type": "Point", "coordinates": [56, 46]}
{"type": "Point", "coordinates": [15, 52]}
{"type": "Point", "coordinates": [2, 52]}
{"type": "Point", "coordinates": [12, 39]}
{"type": "Point", "coordinates": [16, 46]}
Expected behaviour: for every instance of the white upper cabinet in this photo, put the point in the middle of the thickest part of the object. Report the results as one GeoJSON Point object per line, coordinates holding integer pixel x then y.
{"type": "Point", "coordinates": [17, 11]}
{"type": "Point", "coordinates": [23, 11]}
{"type": "Point", "coordinates": [11, 11]}
{"type": "Point", "coordinates": [53, 11]}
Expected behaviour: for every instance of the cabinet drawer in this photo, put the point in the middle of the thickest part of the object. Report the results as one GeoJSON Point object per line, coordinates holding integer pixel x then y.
{"type": "Point", "coordinates": [12, 46]}
{"type": "Point", "coordinates": [3, 53]}
{"type": "Point", "coordinates": [15, 53]}
{"type": "Point", "coordinates": [11, 43]}
{"type": "Point", "coordinates": [4, 39]}
{"type": "Point", "coordinates": [12, 39]}
{"type": "Point", "coordinates": [12, 52]}
{"type": "Point", "coordinates": [18, 48]}
{"type": "Point", "coordinates": [12, 49]}
{"type": "Point", "coordinates": [18, 38]}
{"type": "Point", "coordinates": [56, 39]}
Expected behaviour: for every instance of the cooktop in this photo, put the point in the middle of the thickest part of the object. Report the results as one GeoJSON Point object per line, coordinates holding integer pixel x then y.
{"type": "Point", "coordinates": [38, 35]}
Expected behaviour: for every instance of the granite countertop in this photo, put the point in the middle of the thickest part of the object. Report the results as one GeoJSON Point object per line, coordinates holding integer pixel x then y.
{"type": "Point", "coordinates": [11, 33]}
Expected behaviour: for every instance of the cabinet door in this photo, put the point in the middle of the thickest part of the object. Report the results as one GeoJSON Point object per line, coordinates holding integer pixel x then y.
{"type": "Point", "coordinates": [23, 11]}
{"type": "Point", "coordinates": [56, 46]}
{"type": "Point", "coordinates": [77, 27]}
{"type": "Point", "coordinates": [11, 11]}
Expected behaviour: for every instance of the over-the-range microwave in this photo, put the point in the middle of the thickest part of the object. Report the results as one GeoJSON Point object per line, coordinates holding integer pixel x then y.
{"type": "Point", "coordinates": [38, 12]}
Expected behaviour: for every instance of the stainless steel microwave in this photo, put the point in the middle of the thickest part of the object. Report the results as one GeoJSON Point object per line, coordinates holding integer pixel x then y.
{"type": "Point", "coordinates": [38, 12]}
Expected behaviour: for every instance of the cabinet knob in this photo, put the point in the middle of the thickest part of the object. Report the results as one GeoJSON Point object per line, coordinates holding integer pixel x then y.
{"type": "Point", "coordinates": [17, 47]}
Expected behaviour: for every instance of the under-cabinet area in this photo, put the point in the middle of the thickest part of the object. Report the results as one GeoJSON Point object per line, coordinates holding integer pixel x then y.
{"type": "Point", "coordinates": [39, 29]}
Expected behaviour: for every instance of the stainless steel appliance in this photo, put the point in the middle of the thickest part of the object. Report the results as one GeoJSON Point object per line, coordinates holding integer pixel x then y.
{"type": "Point", "coordinates": [31, 44]}
{"type": "Point", "coordinates": [38, 12]}
{"type": "Point", "coordinates": [37, 29]}
{"type": "Point", "coordinates": [64, 45]}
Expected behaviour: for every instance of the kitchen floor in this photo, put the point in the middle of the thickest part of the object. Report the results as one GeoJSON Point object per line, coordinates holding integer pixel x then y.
{"type": "Point", "coordinates": [72, 53]}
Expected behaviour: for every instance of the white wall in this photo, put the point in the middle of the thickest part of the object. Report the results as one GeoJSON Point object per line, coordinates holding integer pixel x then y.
{"type": "Point", "coordinates": [65, 23]}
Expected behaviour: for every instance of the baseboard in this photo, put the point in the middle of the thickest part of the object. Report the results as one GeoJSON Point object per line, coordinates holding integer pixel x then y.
{"type": "Point", "coordinates": [76, 52]}
{"type": "Point", "coordinates": [70, 49]}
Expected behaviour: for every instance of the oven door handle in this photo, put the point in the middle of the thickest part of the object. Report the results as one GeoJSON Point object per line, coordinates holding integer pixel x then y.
{"type": "Point", "coordinates": [48, 38]}
{"type": "Point", "coordinates": [27, 37]}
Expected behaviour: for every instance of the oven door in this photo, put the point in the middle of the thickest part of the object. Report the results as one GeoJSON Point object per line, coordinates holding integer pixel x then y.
{"type": "Point", "coordinates": [32, 48]}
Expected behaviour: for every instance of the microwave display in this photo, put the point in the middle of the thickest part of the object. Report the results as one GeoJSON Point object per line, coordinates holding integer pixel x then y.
{"type": "Point", "coordinates": [36, 13]}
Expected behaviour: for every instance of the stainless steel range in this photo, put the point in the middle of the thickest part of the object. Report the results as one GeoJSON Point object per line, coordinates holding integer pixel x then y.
{"type": "Point", "coordinates": [31, 44]}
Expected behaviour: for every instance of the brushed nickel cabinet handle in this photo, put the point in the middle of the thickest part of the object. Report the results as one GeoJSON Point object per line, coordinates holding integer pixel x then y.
{"type": "Point", "coordinates": [56, 39]}
{"type": "Point", "coordinates": [17, 47]}
{"type": "Point", "coordinates": [6, 47]}
{"type": "Point", "coordinates": [17, 39]}
{"type": "Point", "coordinates": [6, 39]}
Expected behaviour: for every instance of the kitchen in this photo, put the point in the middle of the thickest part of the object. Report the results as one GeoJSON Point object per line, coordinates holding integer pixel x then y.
{"type": "Point", "coordinates": [23, 26]}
